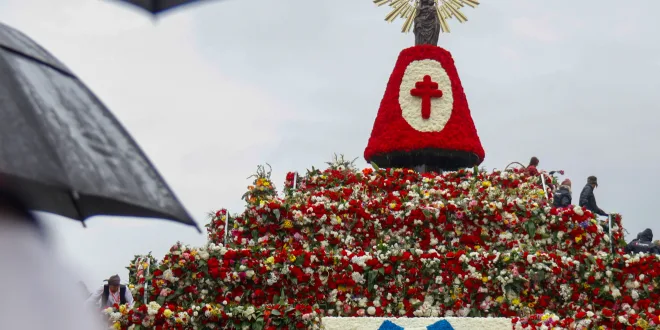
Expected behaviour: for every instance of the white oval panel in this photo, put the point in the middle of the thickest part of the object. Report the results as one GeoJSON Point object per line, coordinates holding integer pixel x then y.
{"type": "Point", "coordinates": [411, 106]}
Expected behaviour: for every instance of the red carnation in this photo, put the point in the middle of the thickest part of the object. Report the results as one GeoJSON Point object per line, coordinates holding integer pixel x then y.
{"type": "Point", "coordinates": [424, 118]}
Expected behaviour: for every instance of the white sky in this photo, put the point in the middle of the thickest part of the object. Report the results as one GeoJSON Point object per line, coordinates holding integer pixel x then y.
{"type": "Point", "coordinates": [213, 90]}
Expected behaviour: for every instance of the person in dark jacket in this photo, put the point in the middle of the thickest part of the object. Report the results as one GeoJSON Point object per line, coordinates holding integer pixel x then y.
{"type": "Point", "coordinates": [643, 243]}
{"type": "Point", "coordinates": [587, 198]}
{"type": "Point", "coordinates": [562, 197]}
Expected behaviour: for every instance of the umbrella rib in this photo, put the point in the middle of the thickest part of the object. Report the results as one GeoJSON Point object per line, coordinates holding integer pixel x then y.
{"type": "Point", "coordinates": [23, 55]}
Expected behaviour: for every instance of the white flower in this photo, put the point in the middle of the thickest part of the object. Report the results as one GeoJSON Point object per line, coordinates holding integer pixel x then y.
{"type": "Point", "coordinates": [248, 312]}
{"type": "Point", "coordinates": [371, 310]}
{"type": "Point", "coordinates": [357, 277]}
{"type": "Point", "coordinates": [635, 295]}
{"type": "Point", "coordinates": [168, 275]}
{"type": "Point", "coordinates": [578, 210]}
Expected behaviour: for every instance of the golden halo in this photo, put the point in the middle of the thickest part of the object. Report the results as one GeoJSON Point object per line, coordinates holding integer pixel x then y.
{"type": "Point", "coordinates": [407, 9]}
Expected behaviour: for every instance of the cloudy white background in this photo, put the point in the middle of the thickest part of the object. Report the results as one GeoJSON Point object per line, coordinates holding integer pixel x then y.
{"type": "Point", "coordinates": [212, 90]}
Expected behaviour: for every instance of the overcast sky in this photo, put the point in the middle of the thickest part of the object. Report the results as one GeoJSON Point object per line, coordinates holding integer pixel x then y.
{"type": "Point", "coordinates": [213, 90]}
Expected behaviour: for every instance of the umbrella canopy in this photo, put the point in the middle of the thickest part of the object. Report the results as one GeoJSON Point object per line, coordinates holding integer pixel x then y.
{"type": "Point", "coordinates": [63, 150]}
{"type": "Point", "coordinates": [158, 6]}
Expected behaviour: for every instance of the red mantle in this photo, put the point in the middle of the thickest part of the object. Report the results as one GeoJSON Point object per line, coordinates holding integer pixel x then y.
{"type": "Point", "coordinates": [457, 143]}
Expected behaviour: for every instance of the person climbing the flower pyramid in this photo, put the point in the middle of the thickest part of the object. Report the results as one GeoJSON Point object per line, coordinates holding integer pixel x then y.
{"type": "Point", "coordinates": [588, 199]}
{"type": "Point", "coordinates": [113, 293]}
{"type": "Point", "coordinates": [532, 168]}
{"type": "Point", "coordinates": [562, 197]}
{"type": "Point", "coordinates": [643, 243]}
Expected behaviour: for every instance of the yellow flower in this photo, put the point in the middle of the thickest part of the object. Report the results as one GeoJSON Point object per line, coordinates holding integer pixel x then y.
{"type": "Point", "coordinates": [499, 299]}
{"type": "Point", "coordinates": [167, 313]}
{"type": "Point", "coordinates": [292, 258]}
{"type": "Point", "coordinates": [578, 239]}
{"type": "Point", "coordinates": [287, 224]}
{"type": "Point", "coordinates": [131, 286]}
{"type": "Point", "coordinates": [392, 205]}
{"type": "Point", "coordinates": [486, 184]}
{"type": "Point", "coordinates": [117, 325]}
{"type": "Point", "coordinates": [182, 262]}
{"type": "Point", "coordinates": [341, 288]}
{"type": "Point", "coordinates": [122, 309]}
{"type": "Point", "coordinates": [193, 253]}
{"type": "Point", "coordinates": [516, 301]}
{"type": "Point", "coordinates": [601, 328]}
{"type": "Point", "coordinates": [262, 203]}
{"type": "Point", "coordinates": [530, 305]}
{"type": "Point", "coordinates": [145, 265]}
{"type": "Point", "coordinates": [484, 279]}
{"type": "Point", "coordinates": [545, 317]}
{"type": "Point", "coordinates": [270, 260]}
{"type": "Point", "coordinates": [339, 219]}
{"type": "Point", "coordinates": [642, 323]}
{"type": "Point", "coordinates": [266, 184]}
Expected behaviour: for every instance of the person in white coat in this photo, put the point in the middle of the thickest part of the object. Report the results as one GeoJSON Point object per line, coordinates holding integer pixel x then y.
{"type": "Point", "coordinates": [39, 291]}
{"type": "Point", "coordinates": [111, 294]}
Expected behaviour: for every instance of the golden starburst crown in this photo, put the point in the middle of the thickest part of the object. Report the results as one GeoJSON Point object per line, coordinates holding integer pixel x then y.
{"type": "Point", "coordinates": [407, 10]}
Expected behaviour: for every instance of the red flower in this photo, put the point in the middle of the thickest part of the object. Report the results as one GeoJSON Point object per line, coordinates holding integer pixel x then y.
{"type": "Point", "coordinates": [213, 262]}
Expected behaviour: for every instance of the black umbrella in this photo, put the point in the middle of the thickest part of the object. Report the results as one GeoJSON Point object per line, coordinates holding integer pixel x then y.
{"type": "Point", "coordinates": [158, 6]}
{"type": "Point", "coordinates": [63, 150]}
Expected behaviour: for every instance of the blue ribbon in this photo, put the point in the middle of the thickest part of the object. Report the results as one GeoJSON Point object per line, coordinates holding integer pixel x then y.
{"type": "Point", "coordinates": [440, 325]}
{"type": "Point", "coordinates": [388, 325]}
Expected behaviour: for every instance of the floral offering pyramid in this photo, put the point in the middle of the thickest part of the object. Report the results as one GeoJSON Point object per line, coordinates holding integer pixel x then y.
{"type": "Point", "coordinates": [416, 242]}
{"type": "Point", "coordinates": [343, 248]}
